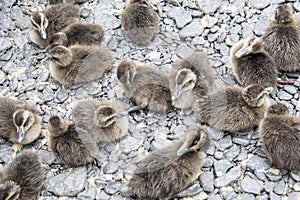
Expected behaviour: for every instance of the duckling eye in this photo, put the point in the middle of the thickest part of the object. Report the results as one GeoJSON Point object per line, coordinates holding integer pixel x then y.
{"type": "Point", "coordinates": [188, 83]}
{"type": "Point", "coordinates": [195, 142]}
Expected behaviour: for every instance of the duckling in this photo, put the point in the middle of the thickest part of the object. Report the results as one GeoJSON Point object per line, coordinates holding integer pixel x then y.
{"type": "Point", "coordinates": [280, 135]}
{"type": "Point", "coordinates": [140, 21]}
{"type": "Point", "coordinates": [50, 21]}
{"type": "Point", "coordinates": [166, 172]}
{"type": "Point", "coordinates": [79, 63]}
{"type": "Point", "coordinates": [9, 191]}
{"type": "Point", "coordinates": [252, 64]}
{"type": "Point", "coordinates": [78, 33]}
{"type": "Point", "coordinates": [70, 144]}
{"type": "Point", "coordinates": [147, 87]}
{"type": "Point", "coordinates": [101, 119]}
{"type": "Point", "coordinates": [233, 108]}
{"type": "Point", "coordinates": [23, 177]}
{"type": "Point", "coordinates": [190, 79]}
{"type": "Point", "coordinates": [19, 121]}
{"type": "Point", "coordinates": [282, 40]}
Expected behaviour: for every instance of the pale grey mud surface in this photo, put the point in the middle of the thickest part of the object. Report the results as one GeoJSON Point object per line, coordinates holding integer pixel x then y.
{"type": "Point", "coordinates": [235, 166]}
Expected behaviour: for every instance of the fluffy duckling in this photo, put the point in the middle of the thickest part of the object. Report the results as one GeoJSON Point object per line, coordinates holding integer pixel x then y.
{"type": "Point", "coordinates": [70, 144]}
{"type": "Point", "coordinates": [252, 64]}
{"type": "Point", "coordinates": [140, 21]}
{"type": "Point", "coordinates": [280, 134]}
{"type": "Point", "coordinates": [146, 86]}
{"type": "Point", "coordinates": [233, 108]}
{"type": "Point", "coordinates": [50, 21]}
{"type": "Point", "coordinates": [78, 33]}
{"type": "Point", "coordinates": [22, 178]}
{"type": "Point", "coordinates": [19, 121]}
{"type": "Point", "coordinates": [282, 40]}
{"type": "Point", "coordinates": [101, 119]}
{"type": "Point", "coordinates": [190, 79]}
{"type": "Point", "coordinates": [166, 172]}
{"type": "Point", "coordinates": [79, 63]}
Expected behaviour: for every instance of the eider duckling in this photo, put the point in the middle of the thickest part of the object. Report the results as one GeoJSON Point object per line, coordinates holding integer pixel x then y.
{"type": "Point", "coordinates": [252, 64]}
{"type": "Point", "coordinates": [147, 87]}
{"type": "Point", "coordinates": [166, 172]}
{"type": "Point", "coordinates": [282, 40]}
{"type": "Point", "coordinates": [79, 63]}
{"type": "Point", "coordinates": [280, 135]}
{"type": "Point", "coordinates": [50, 21]}
{"type": "Point", "coordinates": [101, 118]}
{"type": "Point", "coordinates": [78, 33]}
{"type": "Point", "coordinates": [140, 21]}
{"type": "Point", "coordinates": [71, 145]}
{"type": "Point", "coordinates": [23, 177]}
{"type": "Point", "coordinates": [233, 108]}
{"type": "Point", "coordinates": [19, 121]}
{"type": "Point", "coordinates": [190, 79]}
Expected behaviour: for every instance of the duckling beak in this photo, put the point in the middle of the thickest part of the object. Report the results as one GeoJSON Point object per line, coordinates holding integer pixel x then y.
{"type": "Point", "coordinates": [176, 94]}
{"type": "Point", "coordinates": [183, 150]}
{"type": "Point", "coordinates": [269, 90]}
{"type": "Point", "coordinates": [121, 114]}
{"type": "Point", "coordinates": [20, 134]}
{"type": "Point", "coordinates": [43, 33]}
{"type": "Point", "coordinates": [240, 53]}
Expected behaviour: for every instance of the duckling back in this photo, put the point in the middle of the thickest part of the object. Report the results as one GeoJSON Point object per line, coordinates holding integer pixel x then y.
{"type": "Point", "coordinates": [282, 40]}
{"type": "Point", "coordinates": [27, 172]}
{"type": "Point", "coordinates": [58, 16]}
{"type": "Point", "coordinates": [280, 135]}
{"type": "Point", "coordinates": [79, 64]}
{"type": "Point", "coordinates": [78, 33]}
{"type": "Point", "coordinates": [140, 22]}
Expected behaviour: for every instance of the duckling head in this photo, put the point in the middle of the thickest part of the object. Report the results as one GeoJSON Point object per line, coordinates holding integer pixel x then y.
{"type": "Point", "coordinates": [105, 116]}
{"type": "Point", "coordinates": [251, 45]}
{"type": "Point", "coordinates": [40, 24]}
{"type": "Point", "coordinates": [61, 55]}
{"type": "Point", "coordinates": [196, 140]}
{"type": "Point", "coordinates": [23, 121]}
{"type": "Point", "coordinates": [126, 71]}
{"type": "Point", "coordinates": [57, 126]}
{"type": "Point", "coordinates": [283, 15]}
{"type": "Point", "coordinates": [278, 109]}
{"type": "Point", "coordinates": [254, 95]}
{"type": "Point", "coordinates": [9, 191]}
{"type": "Point", "coordinates": [59, 39]}
{"type": "Point", "coordinates": [185, 81]}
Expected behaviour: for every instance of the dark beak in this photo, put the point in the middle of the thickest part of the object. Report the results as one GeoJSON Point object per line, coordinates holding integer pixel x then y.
{"type": "Point", "coordinates": [176, 94]}
{"type": "Point", "coordinates": [20, 135]}
{"type": "Point", "coordinates": [183, 149]}
{"type": "Point", "coordinates": [240, 53]}
{"type": "Point", "coordinates": [43, 33]}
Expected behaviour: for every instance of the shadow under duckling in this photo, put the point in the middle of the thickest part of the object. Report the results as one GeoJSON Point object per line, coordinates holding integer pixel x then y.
{"type": "Point", "coordinates": [71, 145]}
{"type": "Point", "coordinates": [280, 135]}
{"type": "Point", "coordinates": [282, 40]}
{"type": "Point", "coordinates": [191, 78]}
{"type": "Point", "coordinates": [79, 63]}
{"type": "Point", "coordinates": [50, 21]}
{"type": "Point", "coordinates": [19, 121]}
{"type": "Point", "coordinates": [22, 178]}
{"type": "Point", "coordinates": [167, 171]}
{"type": "Point", "coordinates": [78, 33]}
{"type": "Point", "coordinates": [233, 108]}
{"type": "Point", "coordinates": [102, 119]}
{"type": "Point", "coordinates": [252, 64]}
{"type": "Point", "coordinates": [147, 87]}
{"type": "Point", "coordinates": [140, 21]}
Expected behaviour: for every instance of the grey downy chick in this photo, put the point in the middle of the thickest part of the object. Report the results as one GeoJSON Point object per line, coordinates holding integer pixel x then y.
{"type": "Point", "coordinates": [147, 87]}
{"type": "Point", "coordinates": [280, 135]}
{"type": "Point", "coordinates": [252, 64]}
{"type": "Point", "coordinates": [103, 119]}
{"type": "Point", "coordinates": [140, 21]}
{"type": "Point", "coordinates": [19, 121]}
{"type": "Point", "coordinates": [71, 145]}
{"type": "Point", "coordinates": [79, 63]}
{"type": "Point", "coordinates": [167, 171]}
{"type": "Point", "coordinates": [282, 40]}
{"type": "Point", "coordinates": [233, 108]}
